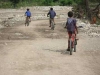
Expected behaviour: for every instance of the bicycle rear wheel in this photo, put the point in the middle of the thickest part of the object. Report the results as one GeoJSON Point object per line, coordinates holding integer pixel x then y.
{"type": "Point", "coordinates": [52, 25]}
{"type": "Point", "coordinates": [75, 43]}
{"type": "Point", "coordinates": [27, 23]}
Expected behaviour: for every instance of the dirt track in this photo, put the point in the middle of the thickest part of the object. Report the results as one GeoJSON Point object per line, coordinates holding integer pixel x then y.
{"type": "Point", "coordinates": [37, 50]}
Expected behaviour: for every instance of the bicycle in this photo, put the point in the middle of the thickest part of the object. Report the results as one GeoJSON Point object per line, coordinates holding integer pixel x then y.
{"type": "Point", "coordinates": [72, 43]}
{"type": "Point", "coordinates": [27, 21]}
{"type": "Point", "coordinates": [52, 24]}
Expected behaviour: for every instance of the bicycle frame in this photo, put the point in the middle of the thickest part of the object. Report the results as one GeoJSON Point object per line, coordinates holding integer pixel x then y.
{"type": "Point", "coordinates": [73, 43]}
{"type": "Point", "coordinates": [52, 24]}
{"type": "Point", "coordinates": [27, 21]}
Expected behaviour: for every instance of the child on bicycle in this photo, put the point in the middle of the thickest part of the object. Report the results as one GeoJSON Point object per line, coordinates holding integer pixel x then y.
{"type": "Point", "coordinates": [52, 14]}
{"type": "Point", "coordinates": [28, 15]}
{"type": "Point", "coordinates": [71, 27]}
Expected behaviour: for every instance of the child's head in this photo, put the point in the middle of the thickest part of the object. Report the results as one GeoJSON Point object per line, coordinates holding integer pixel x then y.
{"type": "Point", "coordinates": [51, 8]}
{"type": "Point", "coordinates": [28, 9]}
{"type": "Point", "coordinates": [70, 14]}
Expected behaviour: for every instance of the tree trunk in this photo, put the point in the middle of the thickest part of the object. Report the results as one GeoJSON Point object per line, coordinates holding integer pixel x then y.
{"type": "Point", "coordinates": [88, 10]}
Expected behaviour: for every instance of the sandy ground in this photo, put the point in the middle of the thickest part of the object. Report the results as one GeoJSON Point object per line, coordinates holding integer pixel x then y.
{"type": "Point", "coordinates": [38, 50]}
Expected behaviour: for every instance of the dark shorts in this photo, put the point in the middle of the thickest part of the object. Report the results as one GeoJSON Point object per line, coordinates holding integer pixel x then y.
{"type": "Point", "coordinates": [51, 19]}
{"type": "Point", "coordinates": [28, 16]}
{"type": "Point", "coordinates": [70, 33]}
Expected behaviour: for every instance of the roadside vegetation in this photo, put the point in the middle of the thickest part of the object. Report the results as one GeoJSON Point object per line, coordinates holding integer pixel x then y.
{"type": "Point", "coordinates": [83, 7]}
{"type": "Point", "coordinates": [23, 3]}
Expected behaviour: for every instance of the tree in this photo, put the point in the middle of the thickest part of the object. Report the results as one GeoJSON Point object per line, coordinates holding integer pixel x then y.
{"type": "Point", "coordinates": [66, 2]}
{"type": "Point", "coordinates": [55, 0]}
{"type": "Point", "coordinates": [88, 10]}
{"type": "Point", "coordinates": [15, 2]}
{"type": "Point", "coordinates": [48, 2]}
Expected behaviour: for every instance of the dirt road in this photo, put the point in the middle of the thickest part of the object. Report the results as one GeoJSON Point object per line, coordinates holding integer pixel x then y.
{"type": "Point", "coordinates": [37, 50]}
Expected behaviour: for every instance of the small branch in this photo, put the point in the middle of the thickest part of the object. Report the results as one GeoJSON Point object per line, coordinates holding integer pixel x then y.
{"type": "Point", "coordinates": [96, 7]}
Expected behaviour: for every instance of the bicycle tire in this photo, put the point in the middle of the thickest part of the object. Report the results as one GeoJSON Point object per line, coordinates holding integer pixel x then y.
{"type": "Point", "coordinates": [27, 22]}
{"type": "Point", "coordinates": [75, 43]}
{"type": "Point", "coordinates": [70, 41]}
{"type": "Point", "coordinates": [52, 25]}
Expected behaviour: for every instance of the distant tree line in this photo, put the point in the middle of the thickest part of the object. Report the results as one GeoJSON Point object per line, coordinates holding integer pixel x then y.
{"type": "Point", "coordinates": [20, 3]}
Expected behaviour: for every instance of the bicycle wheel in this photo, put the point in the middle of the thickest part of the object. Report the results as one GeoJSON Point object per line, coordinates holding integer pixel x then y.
{"type": "Point", "coordinates": [70, 42]}
{"type": "Point", "coordinates": [75, 43]}
{"type": "Point", "coordinates": [52, 25]}
{"type": "Point", "coordinates": [28, 23]}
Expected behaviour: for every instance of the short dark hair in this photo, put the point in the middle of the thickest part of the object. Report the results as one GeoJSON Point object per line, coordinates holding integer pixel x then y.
{"type": "Point", "coordinates": [51, 8]}
{"type": "Point", "coordinates": [70, 14]}
{"type": "Point", "coordinates": [28, 9]}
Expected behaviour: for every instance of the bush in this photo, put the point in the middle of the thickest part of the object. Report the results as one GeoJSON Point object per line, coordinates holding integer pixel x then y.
{"type": "Point", "coordinates": [6, 5]}
{"type": "Point", "coordinates": [48, 2]}
{"type": "Point", "coordinates": [66, 2]}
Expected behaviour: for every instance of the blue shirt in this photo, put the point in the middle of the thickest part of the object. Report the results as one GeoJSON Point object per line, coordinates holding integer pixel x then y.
{"type": "Point", "coordinates": [71, 23]}
{"type": "Point", "coordinates": [28, 13]}
{"type": "Point", "coordinates": [52, 13]}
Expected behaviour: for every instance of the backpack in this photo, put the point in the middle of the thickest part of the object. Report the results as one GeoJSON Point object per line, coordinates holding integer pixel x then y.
{"type": "Point", "coordinates": [71, 22]}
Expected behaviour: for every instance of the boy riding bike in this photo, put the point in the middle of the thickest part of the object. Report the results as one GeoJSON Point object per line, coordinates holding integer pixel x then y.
{"type": "Point", "coordinates": [52, 14]}
{"type": "Point", "coordinates": [71, 27]}
{"type": "Point", "coordinates": [28, 15]}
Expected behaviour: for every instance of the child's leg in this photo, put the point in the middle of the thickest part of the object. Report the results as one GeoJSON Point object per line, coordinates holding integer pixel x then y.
{"type": "Point", "coordinates": [26, 20]}
{"type": "Point", "coordinates": [53, 21]}
{"type": "Point", "coordinates": [50, 22]}
{"type": "Point", "coordinates": [68, 43]}
{"type": "Point", "coordinates": [29, 19]}
{"type": "Point", "coordinates": [69, 34]}
{"type": "Point", "coordinates": [73, 38]}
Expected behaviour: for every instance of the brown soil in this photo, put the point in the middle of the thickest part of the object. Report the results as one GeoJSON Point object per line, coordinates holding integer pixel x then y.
{"type": "Point", "coordinates": [38, 50]}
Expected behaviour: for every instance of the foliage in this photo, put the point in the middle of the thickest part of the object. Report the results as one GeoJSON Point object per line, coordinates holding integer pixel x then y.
{"type": "Point", "coordinates": [66, 2]}
{"type": "Point", "coordinates": [20, 3]}
{"type": "Point", "coordinates": [6, 5]}
{"type": "Point", "coordinates": [15, 2]}
{"type": "Point", "coordinates": [48, 2]}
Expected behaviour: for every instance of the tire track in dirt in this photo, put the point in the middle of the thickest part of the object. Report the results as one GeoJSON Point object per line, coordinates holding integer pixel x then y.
{"type": "Point", "coordinates": [44, 52]}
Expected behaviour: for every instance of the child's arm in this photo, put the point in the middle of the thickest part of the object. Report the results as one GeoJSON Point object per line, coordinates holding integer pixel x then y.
{"type": "Point", "coordinates": [48, 14]}
{"type": "Point", "coordinates": [26, 13]}
{"type": "Point", "coordinates": [76, 27]}
{"type": "Point", "coordinates": [65, 25]}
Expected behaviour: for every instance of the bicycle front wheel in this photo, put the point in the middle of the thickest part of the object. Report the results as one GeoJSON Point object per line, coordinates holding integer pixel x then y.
{"type": "Point", "coordinates": [70, 46]}
{"type": "Point", "coordinates": [75, 43]}
{"type": "Point", "coordinates": [28, 23]}
{"type": "Point", "coordinates": [52, 25]}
